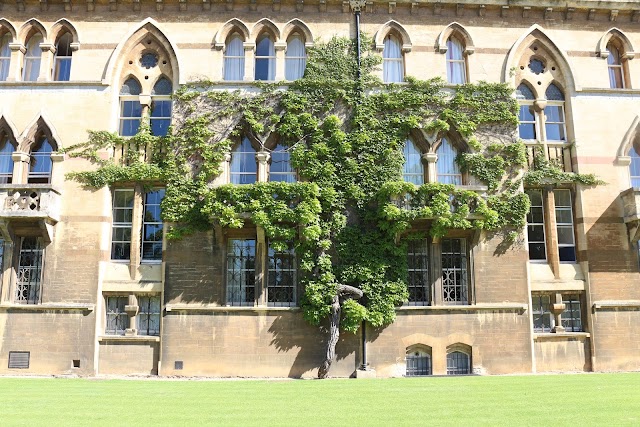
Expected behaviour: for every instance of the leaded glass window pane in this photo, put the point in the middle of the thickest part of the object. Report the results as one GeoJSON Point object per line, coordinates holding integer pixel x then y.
{"type": "Point", "coordinates": [149, 315]}
{"type": "Point", "coordinates": [152, 226]}
{"type": "Point", "coordinates": [29, 272]}
{"type": "Point", "coordinates": [281, 285]}
{"type": "Point", "coordinates": [117, 319]}
{"type": "Point", "coordinates": [458, 363]}
{"type": "Point", "coordinates": [419, 285]}
{"type": "Point", "coordinates": [447, 169]}
{"type": "Point", "coordinates": [542, 317]}
{"type": "Point", "coordinates": [131, 87]}
{"type": "Point", "coordinates": [413, 170]}
{"type": "Point", "coordinates": [244, 168]}
{"type": "Point", "coordinates": [572, 314]}
{"type": "Point", "coordinates": [241, 275]}
{"type": "Point", "coordinates": [122, 223]}
{"type": "Point", "coordinates": [535, 226]}
{"type": "Point", "coordinates": [454, 271]}
{"type": "Point", "coordinates": [40, 163]}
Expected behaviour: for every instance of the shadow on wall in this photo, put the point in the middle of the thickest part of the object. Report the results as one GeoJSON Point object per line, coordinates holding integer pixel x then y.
{"type": "Point", "coordinates": [311, 342]}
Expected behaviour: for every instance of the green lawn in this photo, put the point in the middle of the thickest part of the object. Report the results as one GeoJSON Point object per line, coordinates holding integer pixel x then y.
{"type": "Point", "coordinates": [571, 400]}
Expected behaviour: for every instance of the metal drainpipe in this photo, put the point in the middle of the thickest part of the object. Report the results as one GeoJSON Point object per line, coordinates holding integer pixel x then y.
{"type": "Point", "coordinates": [356, 6]}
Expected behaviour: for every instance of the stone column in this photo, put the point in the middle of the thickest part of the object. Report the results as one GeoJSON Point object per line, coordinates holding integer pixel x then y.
{"type": "Point", "coordinates": [431, 158]}
{"type": "Point", "coordinates": [280, 60]}
{"type": "Point", "coordinates": [261, 267]}
{"type": "Point", "coordinates": [20, 167]}
{"type": "Point", "coordinates": [249, 61]}
{"type": "Point", "coordinates": [132, 310]}
{"type": "Point", "coordinates": [46, 61]}
{"type": "Point", "coordinates": [17, 56]}
{"type": "Point", "coordinates": [550, 231]}
{"type": "Point", "coordinates": [263, 165]}
{"type": "Point", "coordinates": [225, 175]}
{"type": "Point", "coordinates": [557, 308]}
{"type": "Point", "coordinates": [136, 232]}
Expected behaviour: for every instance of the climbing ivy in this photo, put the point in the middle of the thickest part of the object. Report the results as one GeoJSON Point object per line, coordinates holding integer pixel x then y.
{"type": "Point", "coordinates": [350, 213]}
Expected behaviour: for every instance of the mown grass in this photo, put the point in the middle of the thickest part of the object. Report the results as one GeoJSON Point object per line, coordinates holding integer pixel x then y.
{"type": "Point", "coordinates": [590, 399]}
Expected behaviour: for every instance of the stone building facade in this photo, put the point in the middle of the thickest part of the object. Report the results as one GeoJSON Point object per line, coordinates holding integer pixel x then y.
{"type": "Point", "coordinates": [90, 287]}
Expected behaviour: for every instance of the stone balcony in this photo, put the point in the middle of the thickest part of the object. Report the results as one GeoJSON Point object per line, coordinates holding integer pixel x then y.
{"type": "Point", "coordinates": [28, 206]}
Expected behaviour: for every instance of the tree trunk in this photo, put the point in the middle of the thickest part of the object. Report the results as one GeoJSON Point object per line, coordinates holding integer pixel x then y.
{"type": "Point", "coordinates": [343, 292]}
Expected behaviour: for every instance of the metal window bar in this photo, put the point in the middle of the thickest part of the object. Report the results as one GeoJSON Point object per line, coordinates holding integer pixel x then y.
{"type": "Point", "coordinates": [418, 364]}
{"type": "Point", "coordinates": [122, 224]}
{"type": "Point", "coordinates": [281, 285]}
{"type": "Point", "coordinates": [241, 254]}
{"type": "Point", "coordinates": [458, 363]}
{"type": "Point", "coordinates": [543, 321]}
{"type": "Point", "coordinates": [116, 322]}
{"type": "Point", "coordinates": [418, 285]}
{"type": "Point", "coordinates": [152, 227]}
{"type": "Point", "coordinates": [29, 273]}
{"type": "Point", "coordinates": [572, 314]}
{"type": "Point", "coordinates": [454, 271]}
{"type": "Point", "coordinates": [149, 315]}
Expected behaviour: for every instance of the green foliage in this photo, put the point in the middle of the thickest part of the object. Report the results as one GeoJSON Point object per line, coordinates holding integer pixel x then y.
{"type": "Point", "coordinates": [545, 172]}
{"type": "Point", "coordinates": [345, 136]}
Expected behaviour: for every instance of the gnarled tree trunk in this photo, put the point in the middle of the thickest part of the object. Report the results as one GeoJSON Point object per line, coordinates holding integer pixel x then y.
{"type": "Point", "coordinates": [343, 292]}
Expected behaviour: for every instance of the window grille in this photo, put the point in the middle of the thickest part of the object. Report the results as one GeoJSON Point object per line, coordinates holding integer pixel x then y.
{"type": "Point", "coordinates": [117, 318]}
{"type": "Point", "coordinates": [152, 228]}
{"type": "Point", "coordinates": [454, 271]}
{"type": "Point", "coordinates": [19, 359]}
{"type": "Point", "coordinates": [413, 170]}
{"type": "Point", "coordinates": [458, 363]}
{"type": "Point", "coordinates": [542, 318]}
{"type": "Point", "coordinates": [535, 226]}
{"type": "Point", "coordinates": [241, 254]}
{"type": "Point", "coordinates": [6, 160]}
{"type": "Point", "coordinates": [281, 286]}
{"type": "Point", "coordinates": [281, 170]}
{"type": "Point", "coordinates": [244, 168]}
{"type": "Point", "coordinates": [149, 315]}
{"type": "Point", "coordinates": [564, 224]}
{"type": "Point", "coordinates": [5, 56]}
{"type": "Point", "coordinates": [122, 223]}
{"type": "Point", "coordinates": [29, 272]}
{"type": "Point", "coordinates": [62, 60]}
{"type": "Point", "coordinates": [447, 169]}
{"type": "Point", "coordinates": [572, 315]}
{"type": "Point", "coordinates": [418, 264]}
{"type": "Point", "coordinates": [40, 163]}
{"type": "Point", "coordinates": [418, 364]}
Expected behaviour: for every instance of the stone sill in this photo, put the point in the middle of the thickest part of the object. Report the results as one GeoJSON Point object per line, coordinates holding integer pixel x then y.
{"type": "Point", "coordinates": [134, 338]}
{"type": "Point", "coordinates": [599, 305]}
{"type": "Point", "coordinates": [476, 307]}
{"type": "Point", "coordinates": [218, 308]}
{"type": "Point", "coordinates": [610, 91]}
{"type": "Point", "coordinates": [52, 84]}
{"type": "Point", "coordinates": [48, 306]}
{"type": "Point", "coordinates": [560, 335]}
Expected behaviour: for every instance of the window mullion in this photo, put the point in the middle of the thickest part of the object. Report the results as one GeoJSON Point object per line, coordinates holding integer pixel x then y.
{"type": "Point", "coordinates": [136, 230]}
{"type": "Point", "coordinates": [551, 232]}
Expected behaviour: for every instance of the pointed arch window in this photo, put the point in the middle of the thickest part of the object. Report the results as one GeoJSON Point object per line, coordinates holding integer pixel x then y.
{"type": "Point", "coordinates": [413, 170]}
{"type": "Point", "coordinates": [634, 167]}
{"type": "Point", "coordinates": [265, 59]}
{"type": "Point", "coordinates": [6, 160]}
{"type": "Point", "coordinates": [392, 62]}
{"type": "Point", "coordinates": [161, 107]}
{"type": "Point", "coordinates": [32, 59]}
{"type": "Point", "coordinates": [5, 56]}
{"type": "Point", "coordinates": [234, 58]}
{"type": "Point", "coordinates": [41, 164]}
{"type": "Point", "coordinates": [130, 107]}
{"type": "Point", "coordinates": [295, 58]}
{"type": "Point", "coordinates": [243, 167]}
{"type": "Point", "coordinates": [418, 361]}
{"type": "Point", "coordinates": [554, 122]}
{"type": "Point", "coordinates": [615, 65]}
{"type": "Point", "coordinates": [458, 363]}
{"type": "Point", "coordinates": [527, 118]}
{"type": "Point", "coordinates": [281, 170]}
{"type": "Point", "coordinates": [62, 60]}
{"type": "Point", "coordinates": [447, 169]}
{"type": "Point", "coordinates": [456, 63]}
